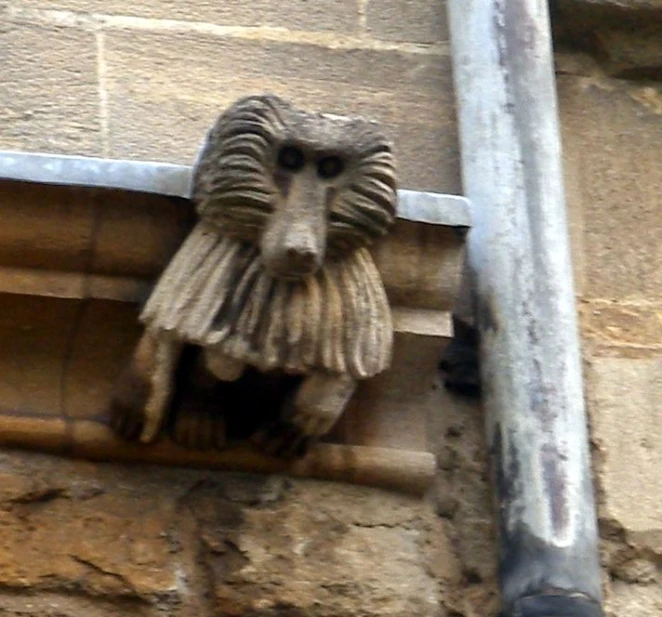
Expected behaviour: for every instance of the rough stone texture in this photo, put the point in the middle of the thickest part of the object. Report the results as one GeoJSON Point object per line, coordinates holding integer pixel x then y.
{"type": "Point", "coordinates": [416, 21]}
{"type": "Point", "coordinates": [628, 600]}
{"type": "Point", "coordinates": [329, 15]}
{"type": "Point", "coordinates": [626, 427]}
{"type": "Point", "coordinates": [601, 11]}
{"type": "Point", "coordinates": [626, 326]}
{"type": "Point", "coordinates": [310, 551]}
{"type": "Point", "coordinates": [156, 541]}
{"type": "Point", "coordinates": [625, 36]}
{"type": "Point", "coordinates": [629, 56]}
{"type": "Point", "coordinates": [613, 130]}
{"type": "Point", "coordinates": [83, 539]}
{"type": "Point", "coordinates": [462, 499]}
{"type": "Point", "coordinates": [160, 107]}
{"type": "Point", "coordinates": [49, 100]}
{"type": "Point", "coordinates": [624, 395]}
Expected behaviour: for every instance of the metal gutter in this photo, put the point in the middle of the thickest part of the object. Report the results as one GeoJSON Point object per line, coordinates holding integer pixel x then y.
{"type": "Point", "coordinates": [174, 181]}
{"type": "Point", "coordinates": [138, 176]}
{"type": "Point", "coordinates": [519, 264]}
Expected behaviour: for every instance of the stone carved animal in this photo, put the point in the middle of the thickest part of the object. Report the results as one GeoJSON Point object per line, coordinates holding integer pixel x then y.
{"type": "Point", "coordinates": [276, 274]}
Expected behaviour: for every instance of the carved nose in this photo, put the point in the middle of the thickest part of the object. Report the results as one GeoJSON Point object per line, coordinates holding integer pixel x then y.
{"type": "Point", "coordinates": [301, 258]}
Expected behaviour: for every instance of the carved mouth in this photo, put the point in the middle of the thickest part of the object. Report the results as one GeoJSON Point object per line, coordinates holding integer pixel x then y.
{"type": "Point", "coordinates": [291, 273]}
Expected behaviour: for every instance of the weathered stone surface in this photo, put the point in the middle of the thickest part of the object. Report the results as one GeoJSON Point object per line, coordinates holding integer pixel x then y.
{"type": "Point", "coordinates": [601, 11]}
{"type": "Point", "coordinates": [308, 555]}
{"type": "Point", "coordinates": [625, 36]}
{"type": "Point", "coordinates": [624, 600]}
{"type": "Point", "coordinates": [623, 324]}
{"type": "Point", "coordinates": [463, 498]}
{"type": "Point", "coordinates": [625, 403]}
{"type": "Point", "coordinates": [161, 107]}
{"type": "Point", "coordinates": [625, 55]}
{"type": "Point", "coordinates": [57, 534]}
{"type": "Point", "coordinates": [174, 536]}
{"type": "Point", "coordinates": [613, 131]}
{"type": "Point", "coordinates": [100, 538]}
{"type": "Point", "coordinates": [416, 21]}
{"type": "Point", "coordinates": [49, 100]}
{"type": "Point", "coordinates": [637, 570]}
{"type": "Point", "coordinates": [294, 14]}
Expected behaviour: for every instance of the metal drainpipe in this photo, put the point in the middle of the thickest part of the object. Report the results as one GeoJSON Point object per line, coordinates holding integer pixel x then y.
{"type": "Point", "coordinates": [519, 262]}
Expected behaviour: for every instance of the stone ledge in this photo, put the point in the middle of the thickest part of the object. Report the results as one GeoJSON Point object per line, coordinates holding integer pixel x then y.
{"type": "Point", "coordinates": [105, 229]}
{"type": "Point", "coordinates": [389, 468]}
{"type": "Point", "coordinates": [82, 242]}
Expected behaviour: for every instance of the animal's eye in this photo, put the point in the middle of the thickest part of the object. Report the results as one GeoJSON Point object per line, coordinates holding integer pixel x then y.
{"type": "Point", "coordinates": [291, 158]}
{"type": "Point", "coordinates": [330, 167]}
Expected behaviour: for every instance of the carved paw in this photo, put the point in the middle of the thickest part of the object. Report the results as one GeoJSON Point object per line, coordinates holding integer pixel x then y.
{"type": "Point", "coordinates": [141, 397]}
{"type": "Point", "coordinates": [223, 367]}
{"type": "Point", "coordinates": [198, 420]}
{"type": "Point", "coordinates": [308, 415]}
{"type": "Point", "coordinates": [200, 429]}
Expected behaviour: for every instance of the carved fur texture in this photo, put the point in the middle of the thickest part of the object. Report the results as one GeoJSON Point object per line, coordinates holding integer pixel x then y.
{"type": "Point", "coordinates": [222, 289]}
{"type": "Point", "coordinates": [276, 275]}
{"type": "Point", "coordinates": [216, 293]}
{"type": "Point", "coordinates": [237, 183]}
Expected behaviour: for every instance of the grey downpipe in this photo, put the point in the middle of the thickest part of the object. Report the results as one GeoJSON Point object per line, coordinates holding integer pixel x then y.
{"type": "Point", "coordinates": [519, 263]}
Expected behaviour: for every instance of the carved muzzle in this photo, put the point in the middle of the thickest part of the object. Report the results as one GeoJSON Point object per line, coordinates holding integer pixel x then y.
{"type": "Point", "coordinates": [294, 240]}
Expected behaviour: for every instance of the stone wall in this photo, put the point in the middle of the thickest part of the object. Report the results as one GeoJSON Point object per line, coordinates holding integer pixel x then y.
{"type": "Point", "coordinates": [609, 66]}
{"type": "Point", "coordinates": [143, 80]}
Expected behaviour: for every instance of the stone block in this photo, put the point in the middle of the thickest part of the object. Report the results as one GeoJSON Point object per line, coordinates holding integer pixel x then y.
{"type": "Point", "coordinates": [176, 542]}
{"type": "Point", "coordinates": [412, 21]}
{"type": "Point", "coordinates": [627, 425]}
{"type": "Point", "coordinates": [623, 324]}
{"type": "Point", "coordinates": [309, 553]}
{"type": "Point", "coordinates": [320, 15]}
{"type": "Point", "coordinates": [612, 131]}
{"type": "Point", "coordinates": [49, 100]}
{"type": "Point", "coordinates": [66, 527]}
{"type": "Point", "coordinates": [34, 334]}
{"type": "Point", "coordinates": [162, 107]}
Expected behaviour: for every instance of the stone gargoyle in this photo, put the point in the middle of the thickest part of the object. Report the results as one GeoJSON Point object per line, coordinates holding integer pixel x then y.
{"type": "Point", "coordinates": [275, 276]}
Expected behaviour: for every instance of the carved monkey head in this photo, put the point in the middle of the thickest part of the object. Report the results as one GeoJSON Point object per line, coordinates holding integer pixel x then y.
{"type": "Point", "coordinates": [301, 186]}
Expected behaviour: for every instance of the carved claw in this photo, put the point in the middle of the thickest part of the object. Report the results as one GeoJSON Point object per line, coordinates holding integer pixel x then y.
{"type": "Point", "coordinates": [127, 405]}
{"type": "Point", "coordinates": [126, 413]}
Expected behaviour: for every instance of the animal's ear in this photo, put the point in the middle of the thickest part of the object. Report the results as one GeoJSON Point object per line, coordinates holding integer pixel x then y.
{"type": "Point", "coordinates": [231, 181]}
